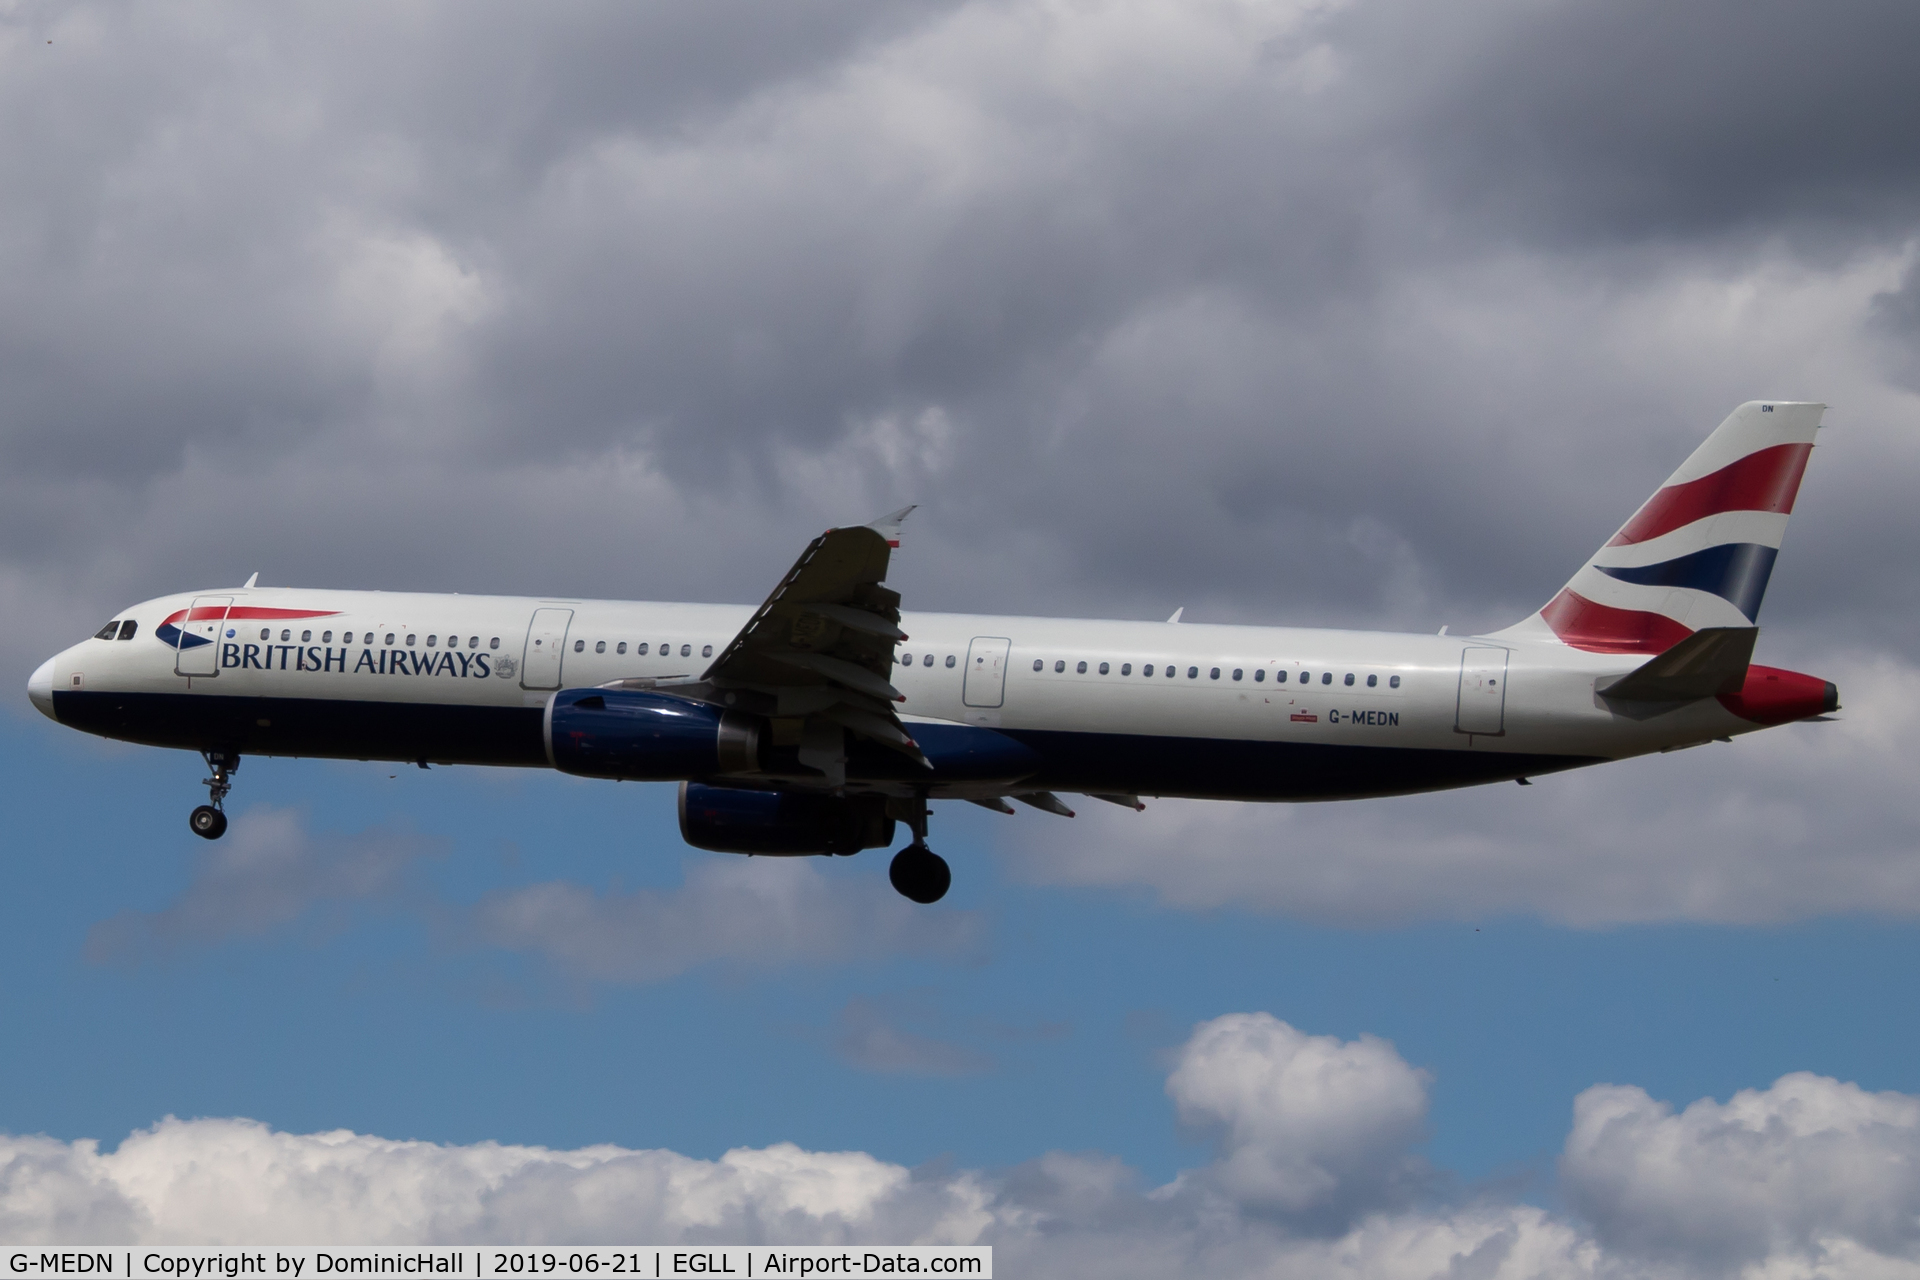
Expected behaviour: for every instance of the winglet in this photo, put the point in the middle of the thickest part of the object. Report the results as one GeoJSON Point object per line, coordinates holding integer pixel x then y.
{"type": "Point", "coordinates": [888, 526]}
{"type": "Point", "coordinates": [1176, 614]}
{"type": "Point", "coordinates": [250, 581]}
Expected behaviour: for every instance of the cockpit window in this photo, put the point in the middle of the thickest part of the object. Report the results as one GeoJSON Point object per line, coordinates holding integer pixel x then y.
{"type": "Point", "coordinates": [127, 629]}
{"type": "Point", "coordinates": [109, 631]}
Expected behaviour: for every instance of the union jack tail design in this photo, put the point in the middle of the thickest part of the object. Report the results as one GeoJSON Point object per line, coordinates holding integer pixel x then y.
{"type": "Point", "coordinates": [1699, 551]}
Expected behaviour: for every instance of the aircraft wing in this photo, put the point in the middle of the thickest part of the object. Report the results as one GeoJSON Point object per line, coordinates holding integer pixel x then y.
{"type": "Point", "coordinates": [818, 655]}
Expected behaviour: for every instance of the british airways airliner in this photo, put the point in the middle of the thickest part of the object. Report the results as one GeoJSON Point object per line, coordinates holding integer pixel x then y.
{"type": "Point", "coordinates": [815, 722]}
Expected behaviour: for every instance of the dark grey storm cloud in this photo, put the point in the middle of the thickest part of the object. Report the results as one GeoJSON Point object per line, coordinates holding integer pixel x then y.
{"type": "Point", "coordinates": [1370, 312]}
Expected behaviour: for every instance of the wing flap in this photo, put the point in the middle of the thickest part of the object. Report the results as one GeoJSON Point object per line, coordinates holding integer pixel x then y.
{"type": "Point", "coordinates": [820, 649]}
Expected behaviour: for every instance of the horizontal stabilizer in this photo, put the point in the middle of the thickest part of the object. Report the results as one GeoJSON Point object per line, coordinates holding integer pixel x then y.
{"type": "Point", "coordinates": [1709, 662]}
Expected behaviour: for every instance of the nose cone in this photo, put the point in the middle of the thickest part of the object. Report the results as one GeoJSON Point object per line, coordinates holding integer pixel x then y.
{"type": "Point", "coordinates": [40, 689]}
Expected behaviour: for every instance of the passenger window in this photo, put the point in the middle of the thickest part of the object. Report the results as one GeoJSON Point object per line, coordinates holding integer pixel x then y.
{"type": "Point", "coordinates": [107, 632]}
{"type": "Point", "coordinates": [1393, 682]}
{"type": "Point", "coordinates": [1126, 668]}
{"type": "Point", "coordinates": [927, 661]}
{"type": "Point", "coordinates": [949, 660]}
{"type": "Point", "coordinates": [306, 637]}
{"type": "Point", "coordinates": [1372, 681]}
{"type": "Point", "coordinates": [286, 633]}
{"type": "Point", "coordinates": [409, 640]}
{"type": "Point", "coordinates": [1103, 668]}
{"type": "Point", "coordinates": [600, 646]}
{"type": "Point", "coordinates": [346, 637]}
{"type": "Point", "coordinates": [1326, 677]}
{"type": "Point", "coordinates": [432, 641]}
{"type": "Point", "coordinates": [1236, 673]}
{"type": "Point", "coordinates": [1147, 670]}
{"type": "Point", "coordinates": [1306, 677]}
{"type": "Point", "coordinates": [906, 659]}
{"type": "Point", "coordinates": [495, 644]}
{"type": "Point", "coordinates": [1059, 665]}
{"type": "Point", "coordinates": [389, 637]}
{"type": "Point", "coordinates": [1259, 674]}
{"type": "Point", "coordinates": [1081, 668]}
{"type": "Point", "coordinates": [706, 651]}
{"type": "Point", "coordinates": [326, 637]}
{"type": "Point", "coordinates": [1193, 673]}
{"type": "Point", "coordinates": [1170, 670]}
{"type": "Point", "coordinates": [640, 648]}
{"type": "Point", "coordinates": [579, 646]}
{"type": "Point", "coordinates": [268, 635]}
{"type": "Point", "coordinates": [1349, 680]}
{"type": "Point", "coordinates": [686, 651]}
{"type": "Point", "coordinates": [127, 629]}
{"type": "Point", "coordinates": [1214, 674]}
{"type": "Point", "coordinates": [1038, 663]}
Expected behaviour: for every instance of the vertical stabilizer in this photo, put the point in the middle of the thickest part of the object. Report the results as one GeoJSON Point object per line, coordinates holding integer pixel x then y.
{"type": "Point", "coordinates": [1698, 553]}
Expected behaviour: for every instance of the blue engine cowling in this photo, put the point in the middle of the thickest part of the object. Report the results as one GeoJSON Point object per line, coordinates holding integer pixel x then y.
{"type": "Point", "coordinates": [647, 737]}
{"type": "Point", "coordinates": [730, 820]}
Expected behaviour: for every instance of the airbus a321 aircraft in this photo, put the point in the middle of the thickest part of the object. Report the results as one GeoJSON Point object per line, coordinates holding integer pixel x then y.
{"type": "Point", "coordinates": [814, 723]}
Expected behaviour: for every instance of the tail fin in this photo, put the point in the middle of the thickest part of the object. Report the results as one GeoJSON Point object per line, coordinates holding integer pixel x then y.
{"type": "Point", "coordinates": [1699, 551]}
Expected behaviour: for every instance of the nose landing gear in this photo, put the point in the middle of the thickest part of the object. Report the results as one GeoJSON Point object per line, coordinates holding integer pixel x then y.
{"type": "Point", "coordinates": [917, 872]}
{"type": "Point", "coordinates": [209, 821]}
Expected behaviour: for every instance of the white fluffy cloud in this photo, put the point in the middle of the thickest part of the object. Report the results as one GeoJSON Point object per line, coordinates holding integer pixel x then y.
{"type": "Point", "coordinates": [1808, 1177]}
{"type": "Point", "coordinates": [1309, 1126]}
{"type": "Point", "coordinates": [1808, 1167]}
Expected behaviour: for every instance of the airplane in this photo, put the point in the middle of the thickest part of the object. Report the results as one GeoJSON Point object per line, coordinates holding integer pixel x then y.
{"type": "Point", "coordinates": [815, 722]}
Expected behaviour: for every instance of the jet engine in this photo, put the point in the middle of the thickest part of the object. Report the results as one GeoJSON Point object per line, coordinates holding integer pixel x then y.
{"type": "Point", "coordinates": [647, 737]}
{"type": "Point", "coordinates": [730, 820]}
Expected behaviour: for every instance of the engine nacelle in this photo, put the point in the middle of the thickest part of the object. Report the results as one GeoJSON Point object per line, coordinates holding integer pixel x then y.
{"type": "Point", "coordinates": [646, 737]}
{"type": "Point", "coordinates": [727, 820]}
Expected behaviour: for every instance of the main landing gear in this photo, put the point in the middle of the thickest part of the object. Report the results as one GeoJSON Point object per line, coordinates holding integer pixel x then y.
{"type": "Point", "coordinates": [917, 871]}
{"type": "Point", "coordinates": [209, 821]}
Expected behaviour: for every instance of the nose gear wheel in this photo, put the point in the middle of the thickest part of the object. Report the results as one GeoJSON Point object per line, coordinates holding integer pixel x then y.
{"type": "Point", "coordinates": [209, 821]}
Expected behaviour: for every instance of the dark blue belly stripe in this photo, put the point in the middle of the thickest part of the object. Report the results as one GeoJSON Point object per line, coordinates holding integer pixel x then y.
{"type": "Point", "coordinates": [1211, 768]}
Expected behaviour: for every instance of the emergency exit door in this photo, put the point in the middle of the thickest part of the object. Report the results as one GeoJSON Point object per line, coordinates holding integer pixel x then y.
{"type": "Point", "coordinates": [1483, 692]}
{"type": "Point", "coordinates": [546, 648]}
{"type": "Point", "coordinates": [985, 684]}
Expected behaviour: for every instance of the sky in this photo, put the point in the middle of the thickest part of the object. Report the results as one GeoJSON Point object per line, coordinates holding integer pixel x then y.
{"type": "Point", "coordinates": [1363, 313]}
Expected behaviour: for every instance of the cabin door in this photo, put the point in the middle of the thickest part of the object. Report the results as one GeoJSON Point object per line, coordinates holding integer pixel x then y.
{"type": "Point", "coordinates": [546, 648]}
{"type": "Point", "coordinates": [1483, 692]}
{"type": "Point", "coordinates": [197, 637]}
{"type": "Point", "coordinates": [985, 684]}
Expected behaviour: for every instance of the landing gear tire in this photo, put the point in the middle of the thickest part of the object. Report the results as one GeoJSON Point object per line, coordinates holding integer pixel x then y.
{"type": "Point", "coordinates": [209, 821]}
{"type": "Point", "coordinates": [921, 874]}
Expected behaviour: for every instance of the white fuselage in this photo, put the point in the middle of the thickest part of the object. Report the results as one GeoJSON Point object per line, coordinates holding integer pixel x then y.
{"type": "Point", "coordinates": [377, 675]}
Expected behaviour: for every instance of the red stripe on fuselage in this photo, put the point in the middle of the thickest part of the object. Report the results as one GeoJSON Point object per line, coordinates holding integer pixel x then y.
{"type": "Point", "coordinates": [255, 613]}
{"type": "Point", "coordinates": [1601, 628]}
{"type": "Point", "coordinates": [1762, 481]}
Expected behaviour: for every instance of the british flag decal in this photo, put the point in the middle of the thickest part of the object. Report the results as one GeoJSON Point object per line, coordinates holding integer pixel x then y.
{"type": "Point", "coordinates": [1698, 553]}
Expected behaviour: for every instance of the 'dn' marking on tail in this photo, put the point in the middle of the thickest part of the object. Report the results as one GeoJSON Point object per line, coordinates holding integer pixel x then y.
{"type": "Point", "coordinates": [1698, 553]}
